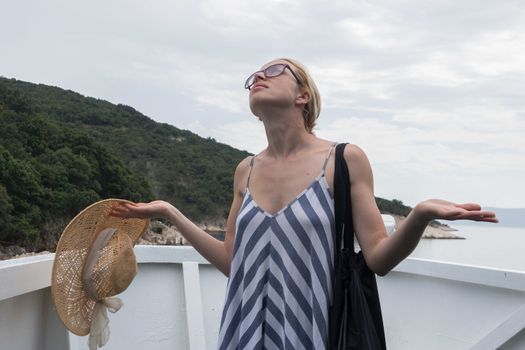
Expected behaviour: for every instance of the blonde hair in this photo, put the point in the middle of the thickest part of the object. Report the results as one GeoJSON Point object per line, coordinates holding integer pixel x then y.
{"type": "Point", "coordinates": [313, 108]}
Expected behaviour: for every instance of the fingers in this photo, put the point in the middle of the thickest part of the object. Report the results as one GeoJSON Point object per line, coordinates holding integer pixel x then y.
{"type": "Point", "coordinates": [123, 209]}
{"type": "Point", "coordinates": [118, 212]}
{"type": "Point", "coordinates": [469, 206]}
{"type": "Point", "coordinates": [492, 220]}
{"type": "Point", "coordinates": [485, 216]}
{"type": "Point", "coordinates": [138, 210]}
{"type": "Point", "coordinates": [475, 213]}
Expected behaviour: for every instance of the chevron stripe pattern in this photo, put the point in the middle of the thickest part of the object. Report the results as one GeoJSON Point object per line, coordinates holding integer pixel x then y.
{"type": "Point", "coordinates": [279, 289]}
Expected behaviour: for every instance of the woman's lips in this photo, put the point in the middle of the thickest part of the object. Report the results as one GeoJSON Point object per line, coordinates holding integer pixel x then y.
{"type": "Point", "coordinates": [259, 86]}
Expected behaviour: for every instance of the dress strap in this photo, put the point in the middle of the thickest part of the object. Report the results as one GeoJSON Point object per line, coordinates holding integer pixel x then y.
{"type": "Point", "coordinates": [250, 171]}
{"type": "Point", "coordinates": [328, 156]}
{"type": "Point", "coordinates": [324, 164]}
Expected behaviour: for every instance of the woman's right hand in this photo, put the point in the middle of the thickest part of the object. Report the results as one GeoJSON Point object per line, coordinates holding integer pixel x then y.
{"type": "Point", "coordinates": [155, 209]}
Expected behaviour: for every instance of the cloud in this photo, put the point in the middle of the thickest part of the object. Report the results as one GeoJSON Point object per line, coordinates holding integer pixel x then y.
{"type": "Point", "coordinates": [246, 135]}
{"type": "Point", "coordinates": [430, 90]}
{"type": "Point", "coordinates": [413, 164]}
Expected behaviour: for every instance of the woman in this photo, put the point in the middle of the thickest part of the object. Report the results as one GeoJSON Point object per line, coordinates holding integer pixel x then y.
{"type": "Point", "coordinates": [278, 251]}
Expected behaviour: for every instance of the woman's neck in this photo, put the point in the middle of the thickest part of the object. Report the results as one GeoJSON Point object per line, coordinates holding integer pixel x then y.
{"type": "Point", "coordinates": [286, 135]}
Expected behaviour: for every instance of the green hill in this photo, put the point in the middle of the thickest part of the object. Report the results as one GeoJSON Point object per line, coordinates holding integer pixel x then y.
{"type": "Point", "coordinates": [60, 151]}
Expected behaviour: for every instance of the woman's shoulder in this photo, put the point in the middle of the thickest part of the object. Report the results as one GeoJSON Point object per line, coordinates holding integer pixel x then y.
{"type": "Point", "coordinates": [241, 175]}
{"type": "Point", "coordinates": [357, 161]}
{"type": "Point", "coordinates": [244, 165]}
{"type": "Point", "coordinates": [353, 151]}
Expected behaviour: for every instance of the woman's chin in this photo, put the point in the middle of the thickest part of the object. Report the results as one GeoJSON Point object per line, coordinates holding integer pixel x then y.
{"type": "Point", "coordinates": [258, 104]}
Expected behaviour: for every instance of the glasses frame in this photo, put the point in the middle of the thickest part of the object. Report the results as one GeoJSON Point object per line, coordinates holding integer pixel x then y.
{"type": "Point", "coordinates": [248, 86]}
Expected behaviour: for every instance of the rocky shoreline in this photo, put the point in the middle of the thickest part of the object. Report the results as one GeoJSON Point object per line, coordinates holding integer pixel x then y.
{"type": "Point", "coordinates": [433, 230]}
{"type": "Point", "coordinates": [158, 233]}
{"type": "Point", "coordinates": [162, 234]}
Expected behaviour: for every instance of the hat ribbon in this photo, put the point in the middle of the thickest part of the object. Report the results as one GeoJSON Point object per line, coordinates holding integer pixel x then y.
{"type": "Point", "coordinates": [99, 331]}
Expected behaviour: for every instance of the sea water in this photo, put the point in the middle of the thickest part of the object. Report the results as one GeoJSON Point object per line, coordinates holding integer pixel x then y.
{"type": "Point", "coordinates": [490, 245]}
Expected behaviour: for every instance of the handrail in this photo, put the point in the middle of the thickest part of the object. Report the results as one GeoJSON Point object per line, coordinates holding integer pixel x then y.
{"type": "Point", "coordinates": [482, 275]}
{"type": "Point", "coordinates": [23, 275]}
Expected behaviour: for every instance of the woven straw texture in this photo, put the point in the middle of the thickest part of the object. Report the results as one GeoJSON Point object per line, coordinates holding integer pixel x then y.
{"type": "Point", "coordinates": [73, 306]}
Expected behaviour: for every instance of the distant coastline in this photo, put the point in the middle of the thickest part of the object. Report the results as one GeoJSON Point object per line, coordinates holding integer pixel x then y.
{"type": "Point", "coordinates": [161, 234]}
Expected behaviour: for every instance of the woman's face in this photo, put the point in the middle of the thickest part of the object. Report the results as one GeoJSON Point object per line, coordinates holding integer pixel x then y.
{"type": "Point", "coordinates": [281, 90]}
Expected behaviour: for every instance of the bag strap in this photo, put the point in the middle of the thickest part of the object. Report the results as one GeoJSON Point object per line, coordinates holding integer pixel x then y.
{"type": "Point", "coordinates": [344, 222]}
{"type": "Point", "coordinates": [344, 310]}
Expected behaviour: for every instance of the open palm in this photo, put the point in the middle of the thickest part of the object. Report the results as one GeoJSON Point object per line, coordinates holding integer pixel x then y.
{"type": "Point", "coordinates": [440, 209]}
{"type": "Point", "coordinates": [155, 209]}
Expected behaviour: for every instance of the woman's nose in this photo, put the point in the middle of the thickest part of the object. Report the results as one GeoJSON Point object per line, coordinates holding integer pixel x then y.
{"type": "Point", "coordinates": [259, 75]}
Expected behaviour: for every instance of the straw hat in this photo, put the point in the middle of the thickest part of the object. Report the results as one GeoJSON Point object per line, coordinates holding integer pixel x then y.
{"type": "Point", "coordinates": [94, 261]}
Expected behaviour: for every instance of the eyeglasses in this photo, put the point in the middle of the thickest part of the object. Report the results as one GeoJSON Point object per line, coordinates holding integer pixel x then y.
{"type": "Point", "coordinates": [269, 72]}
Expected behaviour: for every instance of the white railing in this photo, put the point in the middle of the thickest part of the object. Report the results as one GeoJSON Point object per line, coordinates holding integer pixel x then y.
{"type": "Point", "coordinates": [175, 302]}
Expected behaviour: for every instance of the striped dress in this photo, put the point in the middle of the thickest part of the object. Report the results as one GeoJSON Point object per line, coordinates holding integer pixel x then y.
{"type": "Point", "coordinates": [280, 285]}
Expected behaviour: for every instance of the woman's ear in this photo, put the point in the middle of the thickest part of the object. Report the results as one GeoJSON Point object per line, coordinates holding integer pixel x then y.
{"type": "Point", "coordinates": [303, 98]}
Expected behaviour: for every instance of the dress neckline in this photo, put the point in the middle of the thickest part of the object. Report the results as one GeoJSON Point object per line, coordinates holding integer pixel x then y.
{"type": "Point", "coordinates": [321, 178]}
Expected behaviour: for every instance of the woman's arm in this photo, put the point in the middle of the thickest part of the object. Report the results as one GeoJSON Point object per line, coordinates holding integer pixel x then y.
{"type": "Point", "coordinates": [215, 251]}
{"type": "Point", "coordinates": [239, 186]}
{"type": "Point", "coordinates": [382, 252]}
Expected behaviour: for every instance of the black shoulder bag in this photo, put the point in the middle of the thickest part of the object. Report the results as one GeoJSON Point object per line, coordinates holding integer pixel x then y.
{"type": "Point", "coordinates": [355, 315]}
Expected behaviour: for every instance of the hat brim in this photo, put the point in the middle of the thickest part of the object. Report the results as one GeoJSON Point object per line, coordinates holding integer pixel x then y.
{"type": "Point", "coordinates": [73, 306]}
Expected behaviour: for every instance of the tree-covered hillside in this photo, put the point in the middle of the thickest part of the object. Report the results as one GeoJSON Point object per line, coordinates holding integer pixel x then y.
{"type": "Point", "coordinates": [50, 171]}
{"type": "Point", "coordinates": [60, 151]}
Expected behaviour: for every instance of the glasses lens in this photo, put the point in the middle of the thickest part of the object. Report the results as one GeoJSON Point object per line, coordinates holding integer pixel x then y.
{"type": "Point", "coordinates": [250, 81]}
{"type": "Point", "coordinates": [269, 72]}
{"type": "Point", "coordinates": [274, 70]}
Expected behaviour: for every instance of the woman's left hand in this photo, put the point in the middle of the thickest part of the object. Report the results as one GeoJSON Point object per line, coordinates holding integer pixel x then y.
{"type": "Point", "coordinates": [440, 209]}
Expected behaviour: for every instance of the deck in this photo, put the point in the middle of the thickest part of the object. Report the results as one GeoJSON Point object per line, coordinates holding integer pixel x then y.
{"type": "Point", "coordinates": [175, 302]}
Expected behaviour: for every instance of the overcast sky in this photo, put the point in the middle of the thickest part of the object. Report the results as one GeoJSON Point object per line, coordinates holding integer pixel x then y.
{"type": "Point", "coordinates": [432, 91]}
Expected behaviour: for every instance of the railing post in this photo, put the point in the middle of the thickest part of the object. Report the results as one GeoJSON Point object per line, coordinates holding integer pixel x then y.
{"type": "Point", "coordinates": [194, 316]}
{"type": "Point", "coordinates": [73, 341]}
